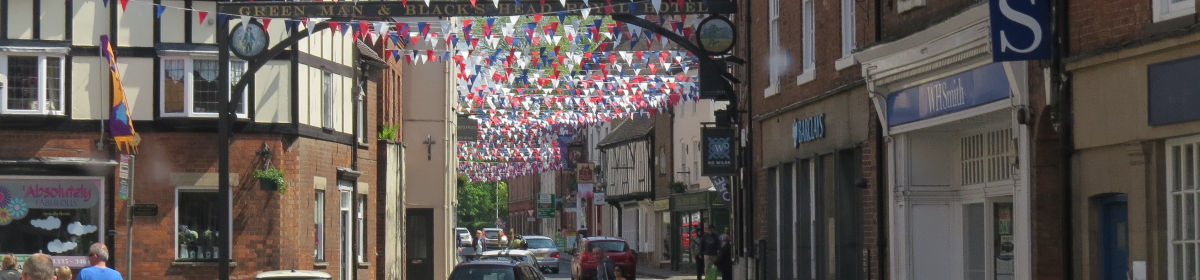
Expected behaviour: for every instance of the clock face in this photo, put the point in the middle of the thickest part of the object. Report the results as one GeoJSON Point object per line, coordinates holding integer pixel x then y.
{"type": "Point", "coordinates": [716, 35]}
{"type": "Point", "coordinates": [248, 40]}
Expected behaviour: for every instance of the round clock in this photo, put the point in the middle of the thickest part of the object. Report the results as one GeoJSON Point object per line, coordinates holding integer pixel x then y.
{"type": "Point", "coordinates": [248, 40]}
{"type": "Point", "coordinates": [715, 35]}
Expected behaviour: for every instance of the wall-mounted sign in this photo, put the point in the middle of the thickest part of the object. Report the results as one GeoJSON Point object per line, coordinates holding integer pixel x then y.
{"type": "Point", "coordinates": [1020, 30]}
{"type": "Point", "coordinates": [585, 173]}
{"type": "Point", "coordinates": [145, 210]}
{"type": "Point", "coordinates": [958, 92]}
{"type": "Point", "coordinates": [1172, 89]}
{"type": "Point", "coordinates": [721, 183]}
{"type": "Point", "coordinates": [468, 129]}
{"type": "Point", "coordinates": [717, 151]}
{"type": "Point", "coordinates": [808, 129]}
{"type": "Point", "coordinates": [599, 199]}
{"type": "Point", "coordinates": [126, 176]}
{"type": "Point", "coordinates": [387, 10]}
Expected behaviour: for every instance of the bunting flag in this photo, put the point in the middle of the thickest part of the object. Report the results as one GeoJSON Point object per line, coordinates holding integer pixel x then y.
{"type": "Point", "coordinates": [120, 122]}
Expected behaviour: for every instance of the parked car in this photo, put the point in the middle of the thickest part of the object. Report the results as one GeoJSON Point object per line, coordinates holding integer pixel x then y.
{"type": "Point", "coordinates": [464, 237]}
{"type": "Point", "coordinates": [293, 275]}
{"type": "Point", "coordinates": [496, 270]}
{"type": "Point", "coordinates": [583, 265]}
{"type": "Point", "coordinates": [494, 238]}
{"type": "Point", "coordinates": [546, 252]}
{"type": "Point", "coordinates": [510, 255]}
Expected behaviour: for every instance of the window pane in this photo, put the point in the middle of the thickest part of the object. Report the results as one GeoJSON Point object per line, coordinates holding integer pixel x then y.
{"type": "Point", "coordinates": [327, 100]}
{"type": "Point", "coordinates": [53, 83]}
{"type": "Point", "coordinates": [1189, 165]}
{"type": "Point", "coordinates": [198, 225]}
{"type": "Point", "coordinates": [23, 83]}
{"type": "Point", "coordinates": [1177, 207]}
{"type": "Point", "coordinates": [975, 243]}
{"type": "Point", "coordinates": [173, 85]}
{"type": "Point", "coordinates": [319, 226]}
{"type": "Point", "coordinates": [236, 69]}
{"type": "Point", "coordinates": [205, 89]}
{"type": "Point", "coordinates": [1176, 166]}
{"type": "Point", "coordinates": [361, 225]}
{"type": "Point", "coordinates": [1189, 206]}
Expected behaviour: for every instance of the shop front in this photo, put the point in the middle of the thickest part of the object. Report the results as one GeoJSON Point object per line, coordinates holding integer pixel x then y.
{"type": "Point", "coordinates": [57, 215]}
{"type": "Point", "coordinates": [1138, 171]}
{"type": "Point", "coordinates": [813, 159]}
{"type": "Point", "coordinates": [691, 212]}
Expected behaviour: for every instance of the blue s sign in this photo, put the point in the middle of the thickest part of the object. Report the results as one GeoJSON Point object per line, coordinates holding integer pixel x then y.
{"type": "Point", "coordinates": [1020, 30]}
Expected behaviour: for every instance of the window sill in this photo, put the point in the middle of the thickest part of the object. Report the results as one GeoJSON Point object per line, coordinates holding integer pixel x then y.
{"type": "Point", "coordinates": [808, 76]}
{"type": "Point", "coordinates": [364, 265]}
{"type": "Point", "coordinates": [845, 62]}
{"type": "Point", "coordinates": [364, 145]}
{"type": "Point", "coordinates": [771, 90]}
{"type": "Point", "coordinates": [201, 263]}
{"type": "Point", "coordinates": [321, 264]}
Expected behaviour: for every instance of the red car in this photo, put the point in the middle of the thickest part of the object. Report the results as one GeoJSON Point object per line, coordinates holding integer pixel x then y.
{"type": "Point", "coordinates": [583, 265]}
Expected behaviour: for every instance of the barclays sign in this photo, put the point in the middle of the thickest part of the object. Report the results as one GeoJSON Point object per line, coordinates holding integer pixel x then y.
{"type": "Point", "coordinates": [1020, 30]}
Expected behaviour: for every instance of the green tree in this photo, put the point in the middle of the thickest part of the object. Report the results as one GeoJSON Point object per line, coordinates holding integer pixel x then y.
{"type": "Point", "coordinates": [479, 203]}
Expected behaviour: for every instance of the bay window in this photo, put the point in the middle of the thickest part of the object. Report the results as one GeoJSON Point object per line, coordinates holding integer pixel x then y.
{"type": "Point", "coordinates": [31, 84]}
{"type": "Point", "coordinates": [190, 88]}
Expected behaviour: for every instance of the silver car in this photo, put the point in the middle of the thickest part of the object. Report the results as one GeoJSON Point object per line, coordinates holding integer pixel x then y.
{"type": "Point", "coordinates": [510, 255]}
{"type": "Point", "coordinates": [546, 252]}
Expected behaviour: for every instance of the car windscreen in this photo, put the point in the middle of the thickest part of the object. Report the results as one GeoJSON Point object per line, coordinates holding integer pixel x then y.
{"type": "Point", "coordinates": [483, 273]}
{"type": "Point", "coordinates": [492, 234]}
{"type": "Point", "coordinates": [608, 246]}
{"type": "Point", "coordinates": [541, 243]}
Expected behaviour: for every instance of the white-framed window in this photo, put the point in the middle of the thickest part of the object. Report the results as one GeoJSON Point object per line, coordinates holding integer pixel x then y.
{"type": "Point", "coordinates": [190, 87]}
{"type": "Point", "coordinates": [1183, 207]}
{"type": "Point", "coordinates": [849, 29]}
{"type": "Point", "coordinates": [319, 226]}
{"type": "Point", "coordinates": [32, 84]}
{"type": "Point", "coordinates": [1169, 9]}
{"type": "Point", "coordinates": [775, 64]}
{"type": "Point", "coordinates": [197, 223]}
{"type": "Point", "coordinates": [809, 32]}
{"type": "Point", "coordinates": [327, 99]}
{"type": "Point", "coordinates": [360, 118]}
{"type": "Point", "coordinates": [362, 228]}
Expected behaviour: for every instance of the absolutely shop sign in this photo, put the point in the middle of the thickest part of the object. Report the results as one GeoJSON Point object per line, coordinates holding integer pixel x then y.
{"type": "Point", "coordinates": [51, 193]}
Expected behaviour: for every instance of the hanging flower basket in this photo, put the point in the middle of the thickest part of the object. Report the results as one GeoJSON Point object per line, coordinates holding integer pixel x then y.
{"type": "Point", "coordinates": [271, 180]}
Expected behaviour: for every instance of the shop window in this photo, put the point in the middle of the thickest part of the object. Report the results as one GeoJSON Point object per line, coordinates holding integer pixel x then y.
{"type": "Point", "coordinates": [1169, 9]}
{"type": "Point", "coordinates": [31, 84]}
{"type": "Point", "coordinates": [1183, 214]}
{"type": "Point", "coordinates": [319, 226]}
{"type": "Point", "coordinates": [197, 220]}
{"type": "Point", "coordinates": [60, 225]}
{"type": "Point", "coordinates": [190, 87]}
{"type": "Point", "coordinates": [986, 157]}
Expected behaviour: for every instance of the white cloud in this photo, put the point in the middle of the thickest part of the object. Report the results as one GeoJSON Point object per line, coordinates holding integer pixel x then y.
{"type": "Point", "coordinates": [57, 246]}
{"type": "Point", "coordinates": [77, 228]}
{"type": "Point", "coordinates": [49, 223]}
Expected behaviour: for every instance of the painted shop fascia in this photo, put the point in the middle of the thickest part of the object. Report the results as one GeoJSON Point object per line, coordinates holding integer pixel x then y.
{"type": "Point", "coordinates": [1149, 168]}
{"type": "Point", "coordinates": [956, 156]}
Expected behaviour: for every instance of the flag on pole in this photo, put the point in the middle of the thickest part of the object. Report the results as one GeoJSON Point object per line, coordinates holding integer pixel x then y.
{"type": "Point", "coordinates": [120, 121]}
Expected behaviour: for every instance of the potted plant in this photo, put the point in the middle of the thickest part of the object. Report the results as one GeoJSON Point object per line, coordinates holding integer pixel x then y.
{"type": "Point", "coordinates": [271, 180]}
{"type": "Point", "coordinates": [678, 187]}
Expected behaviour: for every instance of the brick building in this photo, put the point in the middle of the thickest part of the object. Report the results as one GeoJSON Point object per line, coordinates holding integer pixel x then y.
{"type": "Point", "coordinates": [1132, 199]}
{"type": "Point", "coordinates": [522, 204]}
{"type": "Point", "coordinates": [313, 113]}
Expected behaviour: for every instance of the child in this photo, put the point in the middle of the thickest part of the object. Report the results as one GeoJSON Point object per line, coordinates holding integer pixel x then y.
{"type": "Point", "coordinates": [63, 273]}
{"type": "Point", "coordinates": [617, 272]}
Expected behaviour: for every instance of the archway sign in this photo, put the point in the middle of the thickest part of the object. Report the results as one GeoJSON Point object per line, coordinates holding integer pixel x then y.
{"type": "Point", "coordinates": [390, 9]}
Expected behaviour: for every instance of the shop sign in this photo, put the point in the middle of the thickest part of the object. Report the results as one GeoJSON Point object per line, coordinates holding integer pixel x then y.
{"type": "Point", "coordinates": [126, 176]}
{"type": "Point", "coordinates": [1020, 30]}
{"type": "Point", "coordinates": [809, 129]}
{"type": "Point", "coordinates": [662, 205]}
{"type": "Point", "coordinates": [467, 129]}
{"type": "Point", "coordinates": [721, 183]}
{"type": "Point", "coordinates": [570, 204]}
{"type": "Point", "coordinates": [50, 193]}
{"type": "Point", "coordinates": [1172, 91]}
{"type": "Point", "coordinates": [57, 215]}
{"type": "Point", "coordinates": [958, 92]}
{"type": "Point", "coordinates": [717, 151]}
{"type": "Point", "coordinates": [599, 198]}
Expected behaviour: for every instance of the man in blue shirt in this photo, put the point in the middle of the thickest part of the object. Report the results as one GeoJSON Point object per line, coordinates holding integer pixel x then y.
{"type": "Point", "coordinates": [98, 257]}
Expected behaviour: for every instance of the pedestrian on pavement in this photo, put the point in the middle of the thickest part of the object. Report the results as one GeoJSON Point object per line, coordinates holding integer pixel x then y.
{"type": "Point", "coordinates": [725, 258]}
{"type": "Point", "coordinates": [9, 264]}
{"type": "Point", "coordinates": [604, 269]}
{"type": "Point", "coordinates": [698, 253]}
{"type": "Point", "coordinates": [99, 270]}
{"type": "Point", "coordinates": [710, 244]}
{"type": "Point", "coordinates": [62, 273]}
{"type": "Point", "coordinates": [38, 267]}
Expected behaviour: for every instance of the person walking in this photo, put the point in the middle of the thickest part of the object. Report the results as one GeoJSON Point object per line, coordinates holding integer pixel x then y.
{"type": "Point", "coordinates": [698, 253]}
{"type": "Point", "coordinates": [38, 267]}
{"type": "Point", "coordinates": [62, 273]}
{"type": "Point", "coordinates": [605, 268]}
{"type": "Point", "coordinates": [99, 270]}
{"type": "Point", "coordinates": [725, 258]}
{"type": "Point", "coordinates": [709, 244]}
{"type": "Point", "coordinates": [9, 264]}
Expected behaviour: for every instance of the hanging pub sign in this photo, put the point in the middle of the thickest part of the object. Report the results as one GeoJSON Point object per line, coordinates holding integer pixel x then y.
{"type": "Point", "coordinates": [1020, 30]}
{"type": "Point", "coordinates": [717, 151]}
{"type": "Point", "coordinates": [586, 173]}
{"type": "Point", "coordinates": [715, 35]}
{"type": "Point", "coordinates": [468, 129]}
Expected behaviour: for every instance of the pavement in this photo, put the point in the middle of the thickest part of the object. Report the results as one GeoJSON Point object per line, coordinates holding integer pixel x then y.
{"type": "Point", "coordinates": [644, 272]}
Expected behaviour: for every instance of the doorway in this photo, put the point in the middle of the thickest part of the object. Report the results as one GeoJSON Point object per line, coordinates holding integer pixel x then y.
{"type": "Point", "coordinates": [420, 244]}
{"type": "Point", "coordinates": [1114, 235]}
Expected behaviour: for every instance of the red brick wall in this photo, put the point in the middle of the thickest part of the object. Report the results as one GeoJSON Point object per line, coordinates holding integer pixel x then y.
{"type": "Point", "coordinates": [1098, 25]}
